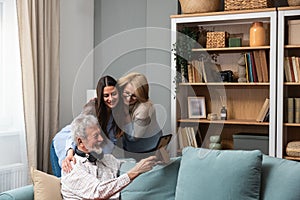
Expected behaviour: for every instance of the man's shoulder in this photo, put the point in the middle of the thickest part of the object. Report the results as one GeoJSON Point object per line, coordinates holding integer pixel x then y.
{"type": "Point", "coordinates": [110, 157]}
{"type": "Point", "coordinates": [110, 160]}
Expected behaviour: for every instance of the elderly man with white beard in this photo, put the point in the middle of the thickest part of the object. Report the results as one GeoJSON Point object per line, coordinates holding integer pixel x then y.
{"type": "Point", "coordinates": [95, 175]}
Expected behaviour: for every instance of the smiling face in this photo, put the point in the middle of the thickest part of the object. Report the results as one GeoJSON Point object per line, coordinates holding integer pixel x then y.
{"type": "Point", "coordinates": [128, 94]}
{"type": "Point", "coordinates": [93, 139]}
{"type": "Point", "coordinates": [110, 96]}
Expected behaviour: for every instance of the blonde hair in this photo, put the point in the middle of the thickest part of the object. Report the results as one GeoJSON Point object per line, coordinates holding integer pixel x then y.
{"type": "Point", "coordinates": [139, 83]}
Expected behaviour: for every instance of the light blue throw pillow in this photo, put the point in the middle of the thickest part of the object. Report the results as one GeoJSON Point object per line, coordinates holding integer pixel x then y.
{"type": "Point", "coordinates": [280, 179]}
{"type": "Point", "coordinates": [219, 174]}
{"type": "Point", "coordinates": [159, 183]}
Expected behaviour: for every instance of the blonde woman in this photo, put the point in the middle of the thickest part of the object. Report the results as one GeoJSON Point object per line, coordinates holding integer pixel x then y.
{"type": "Point", "coordinates": [142, 130]}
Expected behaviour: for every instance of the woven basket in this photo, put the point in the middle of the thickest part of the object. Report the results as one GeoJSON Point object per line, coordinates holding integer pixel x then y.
{"type": "Point", "coordinates": [294, 2]}
{"type": "Point", "coordinates": [216, 39]}
{"type": "Point", "coordinates": [293, 149]}
{"type": "Point", "coordinates": [199, 6]}
{"type": "Point", "coordinates": [247, 4]}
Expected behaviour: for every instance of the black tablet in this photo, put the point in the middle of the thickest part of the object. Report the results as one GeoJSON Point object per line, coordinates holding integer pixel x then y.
{"type": "Point", "coordinates": [163, 141]}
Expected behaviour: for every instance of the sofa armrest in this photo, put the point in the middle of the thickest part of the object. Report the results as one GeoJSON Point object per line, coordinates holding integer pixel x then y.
{"type": "Point", "coordinates": [21, 193]}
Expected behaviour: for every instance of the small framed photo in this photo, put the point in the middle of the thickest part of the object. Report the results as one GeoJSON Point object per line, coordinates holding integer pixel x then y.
{"type": "Point", "coordinates": [196, 107]}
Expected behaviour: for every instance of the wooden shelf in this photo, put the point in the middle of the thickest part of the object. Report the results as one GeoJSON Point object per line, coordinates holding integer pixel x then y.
{"type": "Point", "coordinates": [223, 13]}
{"type": "Point", "coordinates": [231, 121]}
{"type": "Point", "coordinates": [292, 158]}
{"type": "Point", "coordinates": [230, 49]}
{"type": "Point", "coordinates": [289, 8]}
{"type": "Point", "coordinates": [291, 124]}
{"type": "Point", "coordinates": [292, 46]}
{"type": "Point", "coordinates": [225, 84]}
{"type": "Point", "coordinates": [291, 84]}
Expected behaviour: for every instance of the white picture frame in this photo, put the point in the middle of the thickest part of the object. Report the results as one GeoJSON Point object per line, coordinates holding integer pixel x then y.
{"type": "Point", "coordinates": [196, 107]}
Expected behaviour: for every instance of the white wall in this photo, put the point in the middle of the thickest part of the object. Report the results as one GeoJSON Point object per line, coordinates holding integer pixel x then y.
{"type": "Point", "coordinates": [76, 63]}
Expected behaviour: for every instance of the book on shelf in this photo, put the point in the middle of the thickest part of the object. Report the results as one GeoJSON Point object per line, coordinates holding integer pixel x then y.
{"type": "Point", "coordinates": [247, 67]}
{"type": "Point", "coordinates": [264, 65]}
{"type": "Point", "coordinates": [293, 109]}
{"type": "Point", "coordinates": [195, 72]}
{"type": "Point", "coordinates": [295, 68]}
{"type": "Point", "coordinates": [258, 66]}
{"type": "Point", "coordinates": [250, 72]}
{"type": "Point", "coordinates": [263, 111]}
{"type": "Point", "coordinates": [190, 73]}
{"type": "Point", "coordinates": [266, 119]}
{"type": "Point", "coordinates": [254, 71]}
{"type": "Point", "coordinates": [187, 137]}
{"type": "Point", "coordinates": [290, 109]}
{"type": "Point", "coordinates": [287, 70]}
{"type": "Point", "coordinates": [292, 69]}
{"type": "Point", "coordinates": [297, 110]}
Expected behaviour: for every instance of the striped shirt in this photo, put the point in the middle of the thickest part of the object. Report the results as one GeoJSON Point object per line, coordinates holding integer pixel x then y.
{"type": "Point", "coordinates": [97, 180]}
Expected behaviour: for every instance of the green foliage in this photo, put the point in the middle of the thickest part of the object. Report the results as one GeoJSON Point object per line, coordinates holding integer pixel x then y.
{"type": "Point", "coordinates": [186, 41]}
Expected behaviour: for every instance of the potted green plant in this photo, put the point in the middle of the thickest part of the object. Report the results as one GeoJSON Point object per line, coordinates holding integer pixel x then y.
{"type": "Point", "coordinates": [186, 40]}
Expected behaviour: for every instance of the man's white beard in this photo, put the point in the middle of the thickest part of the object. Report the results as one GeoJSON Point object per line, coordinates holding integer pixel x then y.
{"type": "Point", "coordinates": [97, 152]}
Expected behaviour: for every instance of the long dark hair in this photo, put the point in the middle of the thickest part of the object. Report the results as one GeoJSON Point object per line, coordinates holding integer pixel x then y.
{"type": "Point", "coordinates": [102, 111]}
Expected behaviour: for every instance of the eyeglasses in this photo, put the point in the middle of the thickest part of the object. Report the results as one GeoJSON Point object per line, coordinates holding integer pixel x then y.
{"type": "Point", "coordinates": [129, 95]}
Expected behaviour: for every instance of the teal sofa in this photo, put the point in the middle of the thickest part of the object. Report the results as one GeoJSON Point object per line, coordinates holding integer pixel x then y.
{"type": "Point", "coordinates": [209, 175]}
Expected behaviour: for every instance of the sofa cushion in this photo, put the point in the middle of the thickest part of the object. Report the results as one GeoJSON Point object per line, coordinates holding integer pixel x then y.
{"type": "Point", "coordinates": [21, 193]}
{"type": "Point", "coordinates": [280, 179]}
{"type": "Point", "coordinates": [219, 174]}
{"type": "Point", "coordinates": [46, 186]}
{"type": "Point", "coordinates": [159, 183]}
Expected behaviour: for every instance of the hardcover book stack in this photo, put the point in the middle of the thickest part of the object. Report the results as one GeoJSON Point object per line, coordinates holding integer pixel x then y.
{"type": "Point", "coordinates": [292, 69]}
{"type": "Point", "coordinates": [256, 66]}
{"type": "Point", "coordinates": [293, 110]}
{"type": "Point", "coordinates": [187, 137]}
{"type": "Point", "coordinates": [201, 72]}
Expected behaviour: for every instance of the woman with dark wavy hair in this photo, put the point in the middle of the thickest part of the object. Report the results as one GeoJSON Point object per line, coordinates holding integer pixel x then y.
{"type": "Point", "coordinates": [107, 100]}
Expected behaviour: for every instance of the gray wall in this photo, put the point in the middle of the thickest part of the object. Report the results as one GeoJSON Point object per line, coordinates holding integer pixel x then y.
{"type": "Point", "coordinates": [134, 35]}
{"type": "Point", "coordinates": [76, 63]}
{"type": "Point", "coordinates": [128, 35]}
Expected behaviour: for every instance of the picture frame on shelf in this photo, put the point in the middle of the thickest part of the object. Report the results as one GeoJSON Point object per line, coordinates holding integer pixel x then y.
{"type": "Point", "coordinates": [196, 107]}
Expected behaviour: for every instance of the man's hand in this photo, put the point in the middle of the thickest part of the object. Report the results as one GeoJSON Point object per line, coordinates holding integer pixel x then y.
{"type": "Point", "coordinates": [66, 163]}
{"type": "Point", "coordinates": [143, 166]}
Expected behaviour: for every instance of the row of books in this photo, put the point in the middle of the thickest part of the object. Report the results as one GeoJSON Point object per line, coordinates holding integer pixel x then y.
{"type": "Point", "coordinates": [256, 66]}
{"type": "Point", "coordinates": [199, 71]}
{"type": "Point", "coordinates": [187, 137]}
{"type": "Point", "coordinates": [292, 69]}
{"type": "Point", "coordinates": [263, 115]}
{"type": "Point", "coordinates": [293, 110]}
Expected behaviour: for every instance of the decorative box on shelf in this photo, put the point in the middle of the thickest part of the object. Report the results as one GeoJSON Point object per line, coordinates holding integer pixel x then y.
{"type": "Point", "coordinates": [247, 4]}
{"type": "Point", "coordinates": [251, 141]}
{"type": "Point", "coordinates": [294, 29]}
{"type": "Point", "coordinates": [293, 149]}
{"type": "Point", "coordinates": [217, 39]}
{"type": "Point", "coordinates": [235, 42]}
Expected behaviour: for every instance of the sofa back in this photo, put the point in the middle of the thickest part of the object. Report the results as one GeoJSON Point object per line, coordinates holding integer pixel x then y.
{"type": "Point", "coordinates": [280, 179]}
{"type": "Point", "coordinates": [159, 183]}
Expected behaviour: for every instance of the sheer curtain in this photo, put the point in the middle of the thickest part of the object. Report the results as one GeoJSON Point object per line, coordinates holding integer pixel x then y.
{"type": "Point", "coordinates": [13, 162]}
{"type": "Point", "coordinates": [38, 22]}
